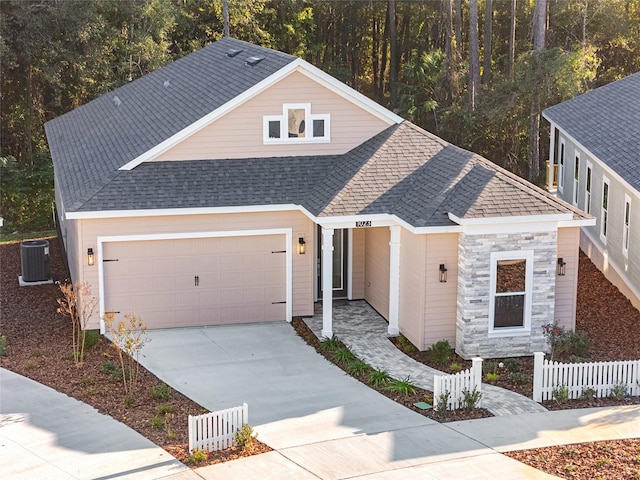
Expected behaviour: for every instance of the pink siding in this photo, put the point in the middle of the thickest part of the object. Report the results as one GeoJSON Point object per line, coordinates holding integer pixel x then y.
{"type": "Point", "coordinates": [441, 298]}
{"type": "Point", "coordinates": [238, 134]}
{"type": "Point", "coordinates": [302, 268]}
{"type": "Point", "coordinates": [377, 269]}
{"type": "Point", "coordinates": [412, 287]}
{"type": "Point", "coordinates": [357, 263]}
{"type": "Point", "coordinates": [566, 287]}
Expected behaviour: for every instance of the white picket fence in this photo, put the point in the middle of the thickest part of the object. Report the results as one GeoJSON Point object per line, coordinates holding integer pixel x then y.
{"type": "Point", "coordinates": [456, 384]}
{"type": "Point", "coordinates": [602, 377]}
{"type": "Point", "coordinates": [216, 430]}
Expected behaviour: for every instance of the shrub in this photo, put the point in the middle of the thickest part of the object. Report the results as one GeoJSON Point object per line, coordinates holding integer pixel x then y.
{"type": "Point", "coordinates": [442, 405]}
{"type": "Point", "coordinates": [160, 392]}
{"type": "Point", "coordinates": [358, 368]}
{"type": "Point", "coordinates": [245, 436]}
{"type": "Point", "coordinates": [329, 344]}
{"type": "Point", "coordinates": [470, 398]}
{"type": "Point", "coordinates": [403, 387]}
{"type": "Point", "coordinates": [489, 366]}
{"type": "Point", "coordinates": [129, 401]}
{"type": "Point", "coordinates": [405, 345]}
{"type": "Point", "coordinates": [79, 305]}
{"type": "Point", "coordinates": [378, 378]}
{"type": "Point", "coordinates": [166, 408]}
{"type": "Point", "coordinates": [440, 352]}
{"type": "Point", "coordinates": [560, 394]}
{"type": "Point", "coordinates": [197, 456]}
{"type": "Point", "coordinates": [588, 394]}
{"type": "Point", "coordinates": [91, 339]}
{"type": "Point", "coordinates": [518, 378]}
{"type": "Point", "coordinates": [343, 355]}
{"type": "Point", "coordinates": [3, 345]}
{"type": "Point", "coordinates": [455, 367]}
{"type": "Point", "coordinates": [619, 392]}
{"type": "Point", "coordinates": [492, 377]}
{"type": "Point", "coordinates": [513, 364]}
{"type": "Point", "coordinates": [157, 423]}
{"type": "Point", "coordinates": [578, 344]}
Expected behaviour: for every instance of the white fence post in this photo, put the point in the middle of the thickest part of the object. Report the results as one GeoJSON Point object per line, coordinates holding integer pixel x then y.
{"type": "Point", "coordinates": [476, 373]}
{"type": "Point", "coordinates": [538, 361]}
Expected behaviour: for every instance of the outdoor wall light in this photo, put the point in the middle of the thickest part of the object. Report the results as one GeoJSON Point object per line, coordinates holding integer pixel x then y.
{"type": "Point", "coordinates": [561, 265]}
{"type": "Point", "coordinates": [301, 245]}
{"type": "Point", "coordinates": [90, 257]}
{"type": "Point", "coordinates": [443, 273]}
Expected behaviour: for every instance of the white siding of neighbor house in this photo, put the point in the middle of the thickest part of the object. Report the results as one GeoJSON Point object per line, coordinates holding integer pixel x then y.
{"type": "Point", "coordinates": [377, 269]}
{"type": "Point", "coordinates": [568, 250]}
{"type": "Point", "coordinates": [412, 287]}
{"type": "Point", "coordinates": [302, 268]}
{"type": "Point", "coordinates": [357, 263]}
{"type": "Point", "coordinates": [440, 305]}
{"type": "Point", "coordinates": [69, 230]}
{"type": "Point", "coordinates": [608, 256]}
{"type": "Point", "coordinates": [239, 133]}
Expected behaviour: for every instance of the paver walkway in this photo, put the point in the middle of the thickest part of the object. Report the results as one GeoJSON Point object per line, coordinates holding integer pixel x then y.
{"type": "Point", "coordinates": [364, 331]}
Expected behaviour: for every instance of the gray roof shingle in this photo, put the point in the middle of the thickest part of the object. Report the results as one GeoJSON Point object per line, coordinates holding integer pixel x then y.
{"type": "Point", "coordinates": [606, 121]}
{"type": "Point", "coordinates": [403, 171]}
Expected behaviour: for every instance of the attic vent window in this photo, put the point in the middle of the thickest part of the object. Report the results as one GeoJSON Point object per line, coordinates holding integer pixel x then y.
{"type": "Point", "coordinates": [253, 61]}
{"type": "Point", "coordinates": [233, 52]}
{"type": "Point", "coordinates": [296, 124]}
{"type": "Point", "coordinates": [117, 101]}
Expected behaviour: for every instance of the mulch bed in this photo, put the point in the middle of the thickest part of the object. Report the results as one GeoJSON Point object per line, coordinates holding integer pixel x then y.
{"type": "Point", "coordinates": [39, 347]}
{"type": "Point", "coordinates": [408, 401]}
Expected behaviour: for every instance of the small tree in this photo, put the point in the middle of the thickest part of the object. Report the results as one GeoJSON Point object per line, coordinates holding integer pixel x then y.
{"type": "Point", "coordinates": [79, 305]}
{"type": "Point", "coordinates": [128, 337]}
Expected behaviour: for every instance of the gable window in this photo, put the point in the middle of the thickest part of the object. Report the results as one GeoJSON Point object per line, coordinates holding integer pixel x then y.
{"type": "Point", "coordinates": [625, 226]}
{"type": "Point", "coordinates": [296, 124]}
{"type": "Point", "coordinates": [587, 188]}
{"type": "Point", "coordinates": [604, 209]}
{"type": "Point", "coordinates": [576, 178]}
{"type": "Point", "coordinates": [561, 166]}
{"type": "Point", "coordinates": [510, 297]}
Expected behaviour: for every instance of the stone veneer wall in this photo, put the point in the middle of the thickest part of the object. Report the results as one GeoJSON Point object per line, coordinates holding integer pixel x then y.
{"type": "Point", "coordinates": [472, 323]}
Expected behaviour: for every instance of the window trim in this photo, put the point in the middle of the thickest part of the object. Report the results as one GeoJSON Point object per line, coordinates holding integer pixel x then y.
{"type": "Point", "coordinates": [576, 177]}
{"type": "Point", "coordinates": [588, 186]}
{"type": "Point", "coordinates": [626, 226]}
{"type": "Point", "coordinates": [562, 151]}
{"type": "Point", "coordinates": [308, 119]}
{"type": "Point", "coordinates": [525, 329]}
{"type": "Point", "coordinates": [604, 211]}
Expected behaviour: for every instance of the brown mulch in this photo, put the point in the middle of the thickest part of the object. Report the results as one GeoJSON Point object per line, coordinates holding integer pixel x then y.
{"type": "Point", "coordinates": [39, 347]}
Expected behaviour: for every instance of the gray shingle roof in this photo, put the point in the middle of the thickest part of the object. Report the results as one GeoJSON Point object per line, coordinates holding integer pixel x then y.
{"type": "Point", "coordinates": [606, 121]}
{"type": "Point", "coordinates": [403, 171]}
{"type": "Point", "coordinates": [90, 143]}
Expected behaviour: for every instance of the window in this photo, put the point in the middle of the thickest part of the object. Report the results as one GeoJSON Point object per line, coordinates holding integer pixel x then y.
{"type": "Point", "coordinates": [561, 166]}
{"type": "Point", "coordinates": [510, 300]}
{"type": "Point", "coordinates": [604, 211]}
{"type": "Point", "coordinates": [587, 188]}
{"type": "Point", "coordinates": [625, 227]}
{"type": "Point", "coordinates": [576, 178]}
{"type": "Point", "coordinates": [292, 125]}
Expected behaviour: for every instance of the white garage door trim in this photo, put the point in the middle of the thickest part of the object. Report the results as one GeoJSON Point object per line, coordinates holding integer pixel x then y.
{"type": "Point", "coordinates": [190, 235]}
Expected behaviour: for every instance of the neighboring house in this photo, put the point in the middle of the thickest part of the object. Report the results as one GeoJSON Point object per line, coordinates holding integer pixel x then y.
{"type": "Point", "coordinates": [595, 147]}
{"type": "Point", "coordinates": [240, 184]}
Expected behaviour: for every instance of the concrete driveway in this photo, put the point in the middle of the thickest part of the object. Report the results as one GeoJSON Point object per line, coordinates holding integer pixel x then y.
{"type": "Point", "coordinates": [321, 422]}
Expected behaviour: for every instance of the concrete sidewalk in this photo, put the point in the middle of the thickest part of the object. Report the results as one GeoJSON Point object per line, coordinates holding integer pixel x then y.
{"type": "Point", "coordinates": [45, 434]}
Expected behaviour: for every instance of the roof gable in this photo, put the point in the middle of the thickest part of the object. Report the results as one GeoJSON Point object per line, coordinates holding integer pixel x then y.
{"type": "Point", "coordinates": [606, 122]}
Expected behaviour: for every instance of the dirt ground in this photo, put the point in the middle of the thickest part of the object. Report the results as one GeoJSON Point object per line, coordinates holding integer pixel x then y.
{"type": "Point", "coordinates": [39, 347]}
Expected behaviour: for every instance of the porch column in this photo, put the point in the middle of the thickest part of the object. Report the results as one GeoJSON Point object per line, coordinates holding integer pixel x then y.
{"type": "Point", "coordinates": [327, 282]}
{"type": "Point", "coordinates": [394, 280]}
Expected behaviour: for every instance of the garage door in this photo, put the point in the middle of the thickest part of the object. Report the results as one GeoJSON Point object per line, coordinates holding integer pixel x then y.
{"type": "Point", "coordinates": [203, 281]}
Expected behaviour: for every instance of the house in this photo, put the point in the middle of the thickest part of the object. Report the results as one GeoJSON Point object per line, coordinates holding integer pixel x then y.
{"type": "Point", "coordinates": [240, 184]}
{"type": "Point", "coordinates": [595, 147]}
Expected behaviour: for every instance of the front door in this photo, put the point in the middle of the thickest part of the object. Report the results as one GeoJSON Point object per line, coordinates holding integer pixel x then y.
{"type": "Point", "coordinates": [340, 256]}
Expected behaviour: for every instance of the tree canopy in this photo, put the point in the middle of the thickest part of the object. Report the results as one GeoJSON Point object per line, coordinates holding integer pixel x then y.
{"type": "Point", "coordinates": [418, 58]}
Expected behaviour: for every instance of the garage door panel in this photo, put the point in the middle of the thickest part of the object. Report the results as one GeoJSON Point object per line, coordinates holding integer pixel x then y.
{"type": "Point", "coordinates": [239, 278]}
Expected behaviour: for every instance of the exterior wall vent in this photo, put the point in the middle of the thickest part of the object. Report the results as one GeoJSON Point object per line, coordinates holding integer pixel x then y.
{"type": "Point", "coordinates": [34, 256]}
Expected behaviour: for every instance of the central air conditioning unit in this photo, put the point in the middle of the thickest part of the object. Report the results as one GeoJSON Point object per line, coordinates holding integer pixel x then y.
{"type": "Point", "coordinates": [34, 256]}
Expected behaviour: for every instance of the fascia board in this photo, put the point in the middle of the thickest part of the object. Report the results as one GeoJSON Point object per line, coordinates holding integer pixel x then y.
{"type": "Point", "coordinates": [595, 159]}
{"type": "Point", "coordinates": [521, 219]}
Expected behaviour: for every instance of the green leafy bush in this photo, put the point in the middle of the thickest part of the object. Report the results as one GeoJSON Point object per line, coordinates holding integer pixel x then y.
{"type": "Point", "coordinates": [492, 377]}
{"type": "Point", "coordinates": [470, 398]}
{"type": "Point", "coordinates": [245, 436]}
{"type": "Point", "coordinates": [403, 387]}
{"type": "Point", "coordinates": [197, 456]}
{"type": "Point", "coordinates": [440, 352]}
{"type": "Point", "coordinates": [518, 378]}
{"type": "Point", "coordinates": [157, 423]}
{"type": "Point", "coordinates": [358, 368]}
{"type": "Point", "coordinates": [166, 408]}
{"type": "Point", "coordinates": [560, 394]}
{"type": "Point", "coordinates": [442, 405]}
{"type": "Point", "coordinates": [513, 364]}
{"type": "Point", "coordinates": [378, 378]}
{"type": "Point", "coordinates": [4, 349]}
{"type": "Point", "coordinates": [343, 355]}
{"type": "Point", "coordinates": [455, 367]}
{"type": "Point", "coordinates": [91, 339]}
{"type": "Point", "coordinates": [160, 392]}
{"type": "Point", "coordinates": [330, 344]}
{"type": "Point", "coordinates": [589, 394]}
{"type": "Point", "coordinates": [619, 392]}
